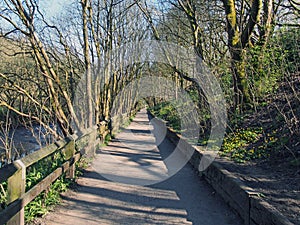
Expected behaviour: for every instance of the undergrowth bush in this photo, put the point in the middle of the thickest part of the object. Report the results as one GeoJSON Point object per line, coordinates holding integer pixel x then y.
{"type": "Point", "coordinates": [50, 197]}
{"type": "Point", "coordinates": [167, 111]}
{"type": "Point", "coordinates": [268, 65]}
{"type": "Point", "coordinates": [44, 201]}
{"type": "Point", "coordinates": [238, 145]}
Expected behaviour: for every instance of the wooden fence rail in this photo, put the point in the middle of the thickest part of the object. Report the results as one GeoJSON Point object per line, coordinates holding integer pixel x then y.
{"type": "Point", "coordinates": [15, 173]}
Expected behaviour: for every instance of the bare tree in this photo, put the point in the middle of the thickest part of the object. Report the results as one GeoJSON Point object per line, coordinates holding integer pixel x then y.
{"type": "Point", "coordinates": [23, 21]}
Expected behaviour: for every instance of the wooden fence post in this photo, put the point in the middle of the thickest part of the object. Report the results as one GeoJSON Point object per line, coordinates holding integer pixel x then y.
{"type": "Point", "coordinates": [16, 188]}
{"type": "Point", "coordinates": [69, 152]}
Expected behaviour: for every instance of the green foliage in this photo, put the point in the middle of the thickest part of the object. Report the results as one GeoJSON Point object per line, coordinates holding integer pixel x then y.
{"type": "Point", "coordinates": [127, 122]}
{"type": "Point", "coordinates": [107, 139]}
{"type": "Point", "coordinates": [46, 200]}
{"type": "Point", "coordinates": [193, 93]}
{"type": "Point", "coordinates": [226, 84]}
{"type": "Point", "coordinates": [264, 68]}
{"type": "Point", "coordinates": [267, 65]}
{"type": "Point", "coordinates": [41, 169]}
{"type": "Point", "coordinates": [37, 172]}
{"type": "Point", "coordinates": [81, 165]}
{"type": "Point", "coordinates": [290, 44]}
{"type": "Point", "coordinates": [239, 146]}
{"type": "Point", "coordinates": [167, 111]}
{"type": "Point", "coordinates": [183, 123]}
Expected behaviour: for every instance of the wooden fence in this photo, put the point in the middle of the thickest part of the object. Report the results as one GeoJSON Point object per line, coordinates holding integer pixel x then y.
{"type": "Point", "coordinates": [15, 174]}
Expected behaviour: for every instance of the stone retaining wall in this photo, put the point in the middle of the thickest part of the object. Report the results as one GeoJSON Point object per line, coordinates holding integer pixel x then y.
{"type": "Point", "coordinates": [243, 199]}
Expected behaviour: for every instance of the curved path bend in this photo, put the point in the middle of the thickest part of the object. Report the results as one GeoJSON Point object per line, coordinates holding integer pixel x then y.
{"type": "Point", "coordinates": [129, 183]}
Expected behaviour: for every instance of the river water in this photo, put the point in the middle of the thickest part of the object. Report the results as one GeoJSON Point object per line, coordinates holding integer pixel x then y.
{"type": "Point", "coordinates": [23, 141]}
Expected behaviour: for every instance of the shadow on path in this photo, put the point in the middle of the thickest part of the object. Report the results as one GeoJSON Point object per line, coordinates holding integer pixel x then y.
{"type": "Point", "coordinates": [181, 199]}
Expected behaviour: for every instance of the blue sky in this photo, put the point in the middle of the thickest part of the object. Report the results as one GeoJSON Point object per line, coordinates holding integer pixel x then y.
{"type": "Point", "coordinates": [53, 7]}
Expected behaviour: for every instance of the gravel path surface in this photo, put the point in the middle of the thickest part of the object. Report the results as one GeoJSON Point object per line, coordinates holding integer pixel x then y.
{"type": "Point", "coordinates": [129, 183]}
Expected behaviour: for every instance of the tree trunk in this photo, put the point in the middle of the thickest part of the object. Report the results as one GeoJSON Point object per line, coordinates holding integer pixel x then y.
{"type": "Point", "coordinates": [238, 41]}
{"type": "Point", "coordinates": [88, 67]}
{"type": "Point", "coordinates": [240, 86]}
{"type": "Point", "coordinates": [267, 21]}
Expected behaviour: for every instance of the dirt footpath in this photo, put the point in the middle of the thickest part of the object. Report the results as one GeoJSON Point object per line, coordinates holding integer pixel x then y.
{"type": "Point", "coordinates": [129, 183]}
